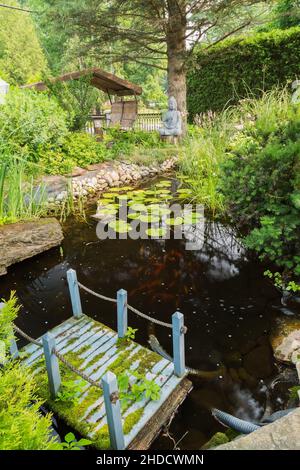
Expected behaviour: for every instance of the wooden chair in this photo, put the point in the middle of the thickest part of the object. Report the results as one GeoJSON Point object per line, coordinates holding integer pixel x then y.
{"type": "Point", "coordinates": [123, 114]}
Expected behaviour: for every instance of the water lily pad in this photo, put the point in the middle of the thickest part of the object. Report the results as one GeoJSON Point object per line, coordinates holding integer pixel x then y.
{"type": "Point", "coordinates": [120, 226]}
{"type": "Point", "coordinates": [109, 195]}
{"type": "Point", "coordinates": [139, 191]}
{"type": "Point", "coordinates": [122, 197]}
{"type": "Point", "coordinates": [174, 221]}
{"type": "Point", "coordinates": [115, 190]}
{"type": "Point", "coordinates": [133, 215]}
{"type": "Point", "coordinates": [184, 196]}
{"type": "Point", "coordinates": [153, 207]}
{"type": "Point", "coordinates": [161, 210]}
{"type": "Point", "coordinates": [107, 211]}
{"type": "Point", "coordinates": [156, 232]}
{"type": "Point", "coordinates": [149, 218]}
{"type": "Point", "coordinates": [184, 190]}
{"type": "Point", "coordinates": [164, 184]}
{"type": "Point", "coordinates": [104, 202]}
{"type": "Point", "coordinates": [163, 191]}
{"type": "Point", "coordinates": [138, 207]}
{"type": "Point", "coordinates": [150, 191]}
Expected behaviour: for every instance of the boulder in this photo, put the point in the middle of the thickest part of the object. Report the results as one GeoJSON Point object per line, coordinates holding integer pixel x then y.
{"type": "Point", "coordinates": [24, 240]}
{"type": "Point", "coordinates": [283, 434]}
{"type": "Point", "coordinates": [285, 339]}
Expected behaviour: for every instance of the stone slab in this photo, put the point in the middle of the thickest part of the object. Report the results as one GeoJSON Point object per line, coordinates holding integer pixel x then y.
{"type": "Point", "coordinates": [24, 240]}
{"type": "Point", "coordinates": [283, 434]}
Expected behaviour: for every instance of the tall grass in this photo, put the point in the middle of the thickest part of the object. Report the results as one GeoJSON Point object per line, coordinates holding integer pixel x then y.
{"type": "Point", "coordinates": [200, 160]}
{"type": "Point", "coordinates": [20, 198]}
{"type": "Point", "coordinates": [203, 153]}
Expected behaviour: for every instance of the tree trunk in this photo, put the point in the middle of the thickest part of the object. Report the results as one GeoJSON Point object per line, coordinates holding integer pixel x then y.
{"type": "Point", "coordinates": [176, 51]}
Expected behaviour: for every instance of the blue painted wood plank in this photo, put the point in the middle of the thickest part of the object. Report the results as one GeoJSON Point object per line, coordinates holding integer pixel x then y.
{"type": "Point", "coordinates": [69, 325]}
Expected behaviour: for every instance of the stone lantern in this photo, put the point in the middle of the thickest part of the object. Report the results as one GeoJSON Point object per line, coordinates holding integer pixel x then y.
{"type": "Point", "coordinates": [4, 89]}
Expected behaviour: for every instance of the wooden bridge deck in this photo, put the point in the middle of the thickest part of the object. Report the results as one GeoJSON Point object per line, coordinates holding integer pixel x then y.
{"type": "Point", "coordinates": [94, 349]}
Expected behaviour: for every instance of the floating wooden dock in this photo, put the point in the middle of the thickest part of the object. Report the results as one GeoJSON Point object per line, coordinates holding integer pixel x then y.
{"type": "Point", "coordinates": [102, 354]}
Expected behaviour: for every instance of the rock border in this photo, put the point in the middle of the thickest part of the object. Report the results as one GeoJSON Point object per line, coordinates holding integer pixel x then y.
{"type": "Point", "coordinates": [100, 177]}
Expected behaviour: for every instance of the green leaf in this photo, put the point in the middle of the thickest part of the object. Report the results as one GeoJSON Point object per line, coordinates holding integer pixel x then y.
{"type": "Point", "coordinates": [156, 232]}
{"type": "Point", "coordinates": [149, 218]}
{"type": "Point", "coordinates": [174, 221]}
{"type": "Point", "coordinates": [70, 437]}
{"type": "Point", "coordinates": [84, 442]}
{"type": "Point", "coordinates": [119, 226]}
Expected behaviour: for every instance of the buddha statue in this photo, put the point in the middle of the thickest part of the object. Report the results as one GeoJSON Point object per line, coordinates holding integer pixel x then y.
{"type": "Point", "coordinates": [296, 93]}
{"type": "Point", "coordinates": [172, 123]}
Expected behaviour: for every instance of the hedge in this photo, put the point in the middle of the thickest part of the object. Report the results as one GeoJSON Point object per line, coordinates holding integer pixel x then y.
{"type": "Point", "coordinates": [236, 68]}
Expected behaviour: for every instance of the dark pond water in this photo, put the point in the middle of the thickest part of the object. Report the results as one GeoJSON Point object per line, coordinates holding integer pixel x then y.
{"type": "Point", "coordinates": [229, 309]}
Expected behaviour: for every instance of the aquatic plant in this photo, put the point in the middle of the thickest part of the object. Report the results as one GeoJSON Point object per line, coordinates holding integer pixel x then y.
{"type": "Point", "coordinates": [148, 206]}
{"type": "Point", "coordinates": [20, 198]}
{"type": "Point", "coordinates": [71, 443]}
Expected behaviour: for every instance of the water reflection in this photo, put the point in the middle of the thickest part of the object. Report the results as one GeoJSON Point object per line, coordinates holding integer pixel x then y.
{"type": "Point", "coordinates": [228, 305]}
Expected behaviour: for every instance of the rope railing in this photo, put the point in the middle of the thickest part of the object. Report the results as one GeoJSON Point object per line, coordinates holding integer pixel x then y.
{"type": "Point", "coordinates": [132, 309]}
{"type": "Point", "coordinates": [75, 370]}
{"type": "Point", "coordinates": [100, 296]}
{"type": "Point", "coordinates": [26, 336]}
{"type": "Point", "coordinates": [59, 356]}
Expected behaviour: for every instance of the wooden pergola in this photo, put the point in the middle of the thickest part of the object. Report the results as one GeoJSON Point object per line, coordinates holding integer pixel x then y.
{"type": "Point", "coordinates": [104, 81]}
{"type": "Point", "coordinates": [123, 113]}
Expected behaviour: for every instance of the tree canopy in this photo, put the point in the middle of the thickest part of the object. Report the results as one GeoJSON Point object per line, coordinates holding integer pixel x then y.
{"type": "Point", "coordinates": [21, 57]}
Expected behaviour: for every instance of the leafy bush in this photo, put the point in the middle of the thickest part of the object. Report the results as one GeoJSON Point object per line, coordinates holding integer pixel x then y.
{"type": "Point", "coordinates": [83, 149]}
{"type": "Point", "coordinates": [77, 98]}
{"type": "Point", "coordinates": [78, 149]}
{"type": "Point", "coordinates": [7, 315]}
{"type": "Point", "coordinates": [22, 427]}
{"type": "Point", "coordinates": [29, 120]}
{"type": "Point", "coordinates": [240, 67]}
{"type": "Point", "coordinates": [33, 128]}
{"type": "Point", "coordinates": [261, 178]}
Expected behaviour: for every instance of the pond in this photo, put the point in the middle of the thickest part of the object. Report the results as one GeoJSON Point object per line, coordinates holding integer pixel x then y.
{"type": "Point", "coordinates": [228, 305]}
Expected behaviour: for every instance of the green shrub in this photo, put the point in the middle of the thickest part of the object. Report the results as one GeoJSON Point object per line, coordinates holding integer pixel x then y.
{"type": "Point", "coordinates": [125, 143]}
{"type": "Point", "coordinates": [239, 67]}
{"type": "Point", "coordinates": [29, 120]}
{"type": "Point", "coordinates": [7, 315]}
{"type": "Point", "coordinates": [83, 149]}
{"type": "Point", "coordinates": [22, 427]}
{"type": "Point", "coordinates": [77, 98]}
{"type": "Point", "coordinates": [260, 180]}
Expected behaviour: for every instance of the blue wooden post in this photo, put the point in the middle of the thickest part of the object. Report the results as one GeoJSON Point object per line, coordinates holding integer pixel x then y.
{"type": "Point", "coordinates": [178, 344]}
{"type": "Point", "coordinates": [113, 411]}
{"type": "Point", "coordinates": [52, 364]}
{"type": "Point", "coordinates": [74, 293]}
{"type": "Point", "coordinates": [122, 313]}
{"type": "Point", "coordinates": [13, 348]}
